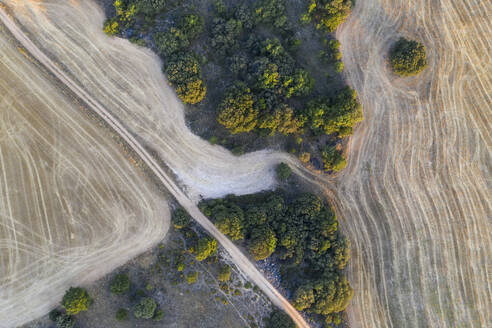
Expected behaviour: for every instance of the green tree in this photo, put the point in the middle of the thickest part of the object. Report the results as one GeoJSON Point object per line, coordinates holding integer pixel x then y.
{"type": "Point", "coordinates": [121, 315]}
{"type": "Point", "coordinates": [145, 308]}
{"type": "Point", "coordinates": [205, 247]}
{"type": "Point", "coordinates": [271, 12]}
{"type": "Point", "coordinates": [282, 120]}
{"type": "Point", "coordinates": [228, 219]}
{"type": "Point", "coordinates": [224, 273]}
{"type": "Point", "coordinates": [328, 14]}
{"type": "Point", "coordinates": [120, 284]}
{"type": "Point", "coordinates": [407, 57]}
{"type": "Point", "coordinates": [181, 219]}
{"type": "Point", "coordinates": [171, 41]}
{"type": "Point", "coordinates": [262, 243]}
{"type": "Point", "coordinates": [332, 159]}
{"type": "Point", "coordinates": [283, 171]}
{"type": "Point", "coordinates": [236, 111]}
{"type": "Point", "coordinates": [184, 74]}
{"type": "Point", "coordinates": [304, 297]}
{"type": "Point", "coordinates": [76, 299]}
{"type": "Point", "coordinates": [279, 319]}
{"type": "Point", "coordinates": [65, 321]}
{"type": "Point", "coordinates": [191, 25]}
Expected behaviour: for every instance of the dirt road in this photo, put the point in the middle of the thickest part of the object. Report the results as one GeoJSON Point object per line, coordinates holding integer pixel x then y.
{"type": "Point", "coordinates": [243, 263]}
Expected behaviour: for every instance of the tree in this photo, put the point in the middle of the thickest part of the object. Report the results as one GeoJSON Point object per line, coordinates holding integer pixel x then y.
{"type": "Point", "coordinates": [145, 308]}
{"type": "Point", "coordinates": [407, 57]}
{"type": "Point", "coordinates": [262, 243]}
{"type": "Point", "coordinates": [121, 315]}
{"type": "Point", "coordinates": [205, 247]}
{"type": "Point", "coordinates": [191, 25]}
{"type": "Point", "coordinates": [228, 219]}
{"type": "Point", "coordinates": [279, 319]}
{"type": "Point", "coordinates": [120, 284]}
{"type": "Point", "coordinates": [304, 297]}
{"type": "Point", "coordinates": [224, 273]}
{"type": "Point", "coordinates": [328, 14]}
{"type": "Point", "coordinates": [333, 159]}
{"type": "Point", "coordinates": [283, 171]}
{"type": "Point", "coordinates": [180, 218]}
{"type": "Point", "coordinates": [283, 121]}
{"type": "Point", "coordinates": [332, 294]}
{"type": "Point", "coordinates": [184, 74]}
{"type": "Point", "coordinates": [236, 111]}
{"type": "Point", "coordinates": [171, 42]}
{"type": "Point", "coordinates": [75, 300]}
{"type": "Point", "coordinates": [271, 12]}
{"type": "Point", "coordinates": [224, 35]}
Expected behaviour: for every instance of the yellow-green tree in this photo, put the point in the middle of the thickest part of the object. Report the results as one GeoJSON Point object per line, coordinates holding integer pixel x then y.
{"type": "Point", "coordinates": [76, 299]}
{"type": "Point", "coordinates": [236, 111]}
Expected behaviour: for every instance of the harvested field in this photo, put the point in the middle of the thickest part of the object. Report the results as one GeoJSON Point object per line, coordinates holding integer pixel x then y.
{"type": "Point", "coordinates": [416, 195]}
{"type": "Point", "coordinates": [72, 205]}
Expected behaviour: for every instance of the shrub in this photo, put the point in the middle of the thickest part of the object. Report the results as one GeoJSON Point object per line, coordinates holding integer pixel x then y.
{"type": "Point", "coordinates": [121, 314]}
{"type": "Point", "coordinates": [65, 321]}
{"type": "Point", "coordinates": [145, 308]}
{"type": "Point", "coordinates": [279, 319]}
{"type": "Point", "coordinates": [283, 171]}
{"type": "Point", "coordinates": [192, 277]}
{"type": "Point", "coordinates": [224, 273]}
{"type": "Point", "coordinates": [159, 314]}
{"type": "Point", "coordinates": [120, 284]}
{"type": "Point", "coordinates": [76, 300]}
{"type": "Point", "coordinates": [333, 159]}
{"type": "Point", "coordinates": [407, 57]}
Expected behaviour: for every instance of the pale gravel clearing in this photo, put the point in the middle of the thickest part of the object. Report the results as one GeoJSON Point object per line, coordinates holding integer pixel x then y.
{"type": "Point", "coordinates": [72, 207]}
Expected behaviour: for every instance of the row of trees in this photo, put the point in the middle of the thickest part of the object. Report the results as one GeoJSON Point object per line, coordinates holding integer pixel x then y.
{"type": "Point", "coordinates": [302, 233]}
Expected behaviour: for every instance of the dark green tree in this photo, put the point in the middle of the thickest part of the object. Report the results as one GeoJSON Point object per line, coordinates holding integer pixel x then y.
{"type": "Point", "coordinates": [283, 171]}
{"type": "Point", "coordinates": [279, 319]}
{"type": "Point", "coordinates": [181, 219]}
{"type": "Point", "coordinates": [262, 243]}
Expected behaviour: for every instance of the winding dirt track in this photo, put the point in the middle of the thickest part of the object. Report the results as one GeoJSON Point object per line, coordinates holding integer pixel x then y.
{"type": "Point", "coordinates": [243, 263]}
{"type": "Point", "coordinates": [416, 196]}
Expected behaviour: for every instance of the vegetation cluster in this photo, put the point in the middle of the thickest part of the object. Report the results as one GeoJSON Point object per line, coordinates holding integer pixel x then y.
{"type": "Point", "coordinates": [301, 233]}
{"type": "Point", "coordinates": [407, 57]}
{"type": "Point", "coordinates": [252, 51]}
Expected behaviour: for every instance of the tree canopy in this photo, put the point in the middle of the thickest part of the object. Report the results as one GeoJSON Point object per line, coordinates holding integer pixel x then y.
{"type": "Point", "coordinates": [120, 284]}
{"type": "Point", "coordinates": [76, 299]}
{"type": "Point", "coordinates": [145, 308]}
{"type": "Point", "coordinates": [407, 57]}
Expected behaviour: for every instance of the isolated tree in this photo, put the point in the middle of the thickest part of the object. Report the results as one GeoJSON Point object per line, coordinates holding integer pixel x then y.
{"type": "Point", "coordinates": [333, 159]}
{"type": "Point", "coordinates": [407, 57]}
{"type": "Point", "coordinates": [65, 321]}
{"type": "Point", "coordinates": [120, 284]}
{"type": "Point", "coordinates": [283, 171]}
{"type": "Point", "coordinates": [145, 308]}
{"type": "Point", "coordinates": [236, 111]}
{"type": "Point", "coordinates": [76, 299]}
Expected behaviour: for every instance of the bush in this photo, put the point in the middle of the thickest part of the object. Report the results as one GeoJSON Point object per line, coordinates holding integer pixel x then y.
{"type": "Point", "coordinates": [180, 218]}
{"type": "Point", "coordinates": [283, 171]}
{"type": "Point", "coordinates": [159, 314]}
{"type": "Point", "coordinates": [76, 300]}
{"type": "Point", "coordinates": [333, 159]}
{"type": "Point", "coordinates": [121, 314]}
{"type": "Point", "coordinates": [407, 57]}
{"type": "Point", "coordinates": [120, 284]}
{"type": "Point", "coordinates": [224, 273]}
{"type": "Point", "coordinates": [145, 308]}
{"type": "Point", "coordinates": [65, 321]}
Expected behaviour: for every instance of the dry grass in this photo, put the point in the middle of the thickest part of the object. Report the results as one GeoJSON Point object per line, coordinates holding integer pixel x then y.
{"type": "Point", "coordinates": [72, 207]}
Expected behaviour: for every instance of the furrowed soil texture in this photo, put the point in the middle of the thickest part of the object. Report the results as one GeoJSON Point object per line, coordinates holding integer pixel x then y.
{"type": "Point", "coordinates": [72, 206]}
{"type": "Point", "coordinates": [415, 198]}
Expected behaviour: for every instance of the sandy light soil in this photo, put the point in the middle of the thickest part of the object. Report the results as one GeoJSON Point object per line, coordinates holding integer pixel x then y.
{"type": "Point", "coordinates": [72, 207]}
